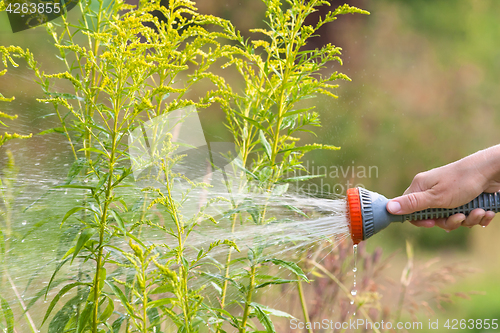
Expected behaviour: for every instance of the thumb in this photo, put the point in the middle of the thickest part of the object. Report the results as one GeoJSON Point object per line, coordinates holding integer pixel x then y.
{"type": "Point", "coordinates": [410, 203]}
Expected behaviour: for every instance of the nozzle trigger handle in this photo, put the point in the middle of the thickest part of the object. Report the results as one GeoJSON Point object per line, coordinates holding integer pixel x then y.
{"type": "Point", "coordinates": [486, 201]}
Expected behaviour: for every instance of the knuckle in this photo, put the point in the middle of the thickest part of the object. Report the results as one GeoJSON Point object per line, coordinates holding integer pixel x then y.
{"type": "Point", "coordinates": [419, 177]}
{"type": "Point", "coordinates": [452, 225]}
{"type": "Point", "coordinates": [414, 202]}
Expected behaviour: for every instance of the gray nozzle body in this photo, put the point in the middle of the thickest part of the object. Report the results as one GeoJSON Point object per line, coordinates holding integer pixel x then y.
{"type": "Point", "coordinates": [376, 217]}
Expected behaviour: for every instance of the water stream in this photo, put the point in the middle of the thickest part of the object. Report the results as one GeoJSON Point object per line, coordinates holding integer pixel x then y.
{"type": "Point", "coordinates": [293, 224]}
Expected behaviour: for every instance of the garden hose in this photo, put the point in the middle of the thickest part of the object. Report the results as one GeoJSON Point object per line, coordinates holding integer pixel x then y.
{"type": "Point", "coordinates": [367, 213]}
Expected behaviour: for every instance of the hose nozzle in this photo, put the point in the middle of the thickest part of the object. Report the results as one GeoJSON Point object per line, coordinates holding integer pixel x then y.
{"type": "Point", "coordinates": [368, 215]}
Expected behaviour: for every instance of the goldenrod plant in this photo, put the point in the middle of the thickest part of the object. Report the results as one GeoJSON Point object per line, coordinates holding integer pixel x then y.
{"type": "Point", "coordinates": [125, 67]}
{"type": "Point", "coordinates": [279, 72]}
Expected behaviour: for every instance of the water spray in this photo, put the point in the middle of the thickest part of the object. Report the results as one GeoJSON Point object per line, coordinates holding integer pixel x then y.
{"type": "Point", "coordinates": [368, 215]}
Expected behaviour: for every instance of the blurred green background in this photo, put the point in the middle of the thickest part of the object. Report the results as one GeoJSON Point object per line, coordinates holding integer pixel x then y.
{"type": "Point", "coordinates": [425, 92]}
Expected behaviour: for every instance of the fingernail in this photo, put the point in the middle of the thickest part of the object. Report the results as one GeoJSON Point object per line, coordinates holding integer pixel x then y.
{"type": "Point", "coordinates": [393, 207]}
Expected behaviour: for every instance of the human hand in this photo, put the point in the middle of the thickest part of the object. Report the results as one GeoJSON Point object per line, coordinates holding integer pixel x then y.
{"type": "Point", "coordinates": [451, 186]}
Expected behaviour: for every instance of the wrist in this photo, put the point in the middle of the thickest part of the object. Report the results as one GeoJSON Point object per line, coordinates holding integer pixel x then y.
{"type": "Point", "coordinates": [488, 164]}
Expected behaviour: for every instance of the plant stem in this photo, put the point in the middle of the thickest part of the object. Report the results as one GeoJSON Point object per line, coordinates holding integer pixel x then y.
{"type": "Point", "coordinates": [95, 311]}
{"type": "Point", "coordinates": [185, 306]}
{"type": "Point", "coordinates": [104, 217]}
{"type": "Point", "coordinates": [182, 270]}
{"type": "Point", "coordinates": [303, 304]}
{"type": "Point", "coordinates": [401, 302]}
{"type": "Point", "coordinates": [226, 273]}
{"type": "Point", "coordinates": [251, 287]}
{"type": "Point", "coordinates": [144, 302]}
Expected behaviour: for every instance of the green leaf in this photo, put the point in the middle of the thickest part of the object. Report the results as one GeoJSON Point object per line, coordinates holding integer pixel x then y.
{"type": "Point", "coordinates": [272, 312]}
{"type": "Point", "coordinates": [67, 315]}
{"type": "Point", "coordinates": [155, 319]}
{"type": "Point", "coordinates": [102, 181]}
{"type": "Point", "coordinates": [160, 302]}
{"type": "Point", "coordinates": [233, 322]}
{"type": "Point", "coordinates": [58, 267]}
{"type": "Point", "coordinates": [95, 150]}
{"type": "Point", "coordinates": [119, 221]}
{"type": "Point", "coordinates": [166, 288]}
{"type": "Point", "coordinates": [63, 291]}
{"type": "Point", "coordinates": [123, 299]}
{"type": "Point", "coordinates": [8, 315]}
{"type": "Point", "coordinates": [265, 174]}
{"type": "Point", "coordinates": [265, 143]}
{"type": "Point", "coordinates": [239, 164]}
{"type": "Point", "coordinates": [216, 287]}
{"type": "Point", "coordinates": [71, 212]}
{"type": "Point", "coordinates": [291, 266]}
{"type": "Point", "coordinates": [108, 311]}
{"type": "Point", "coordinates": [274, 281]}
{"type": "Point", "coordinates": [61, 319]}
{"type": "Point", "coordinates": [52, 130]}
{"type": "Point", "coordinates": [76, 209]}
{"type": "Point", "coordinates": [296, 210]}
{"type": "Point", "coordinates": [84, 237]}
{"type": "Point", "coordinates": [84, 319]}
{"type": "Point", "coordinates": [252, 121]}
{"type": "Point", "coordinates": [264, 318]}
{"type": "Point", "coordinates": [117, 324]}
{"type": "Point", "coordinates": [294, 112]}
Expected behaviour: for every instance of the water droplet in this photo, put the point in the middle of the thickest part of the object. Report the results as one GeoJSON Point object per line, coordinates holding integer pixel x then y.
{"type": "Point", "coordinates": [354, 270]}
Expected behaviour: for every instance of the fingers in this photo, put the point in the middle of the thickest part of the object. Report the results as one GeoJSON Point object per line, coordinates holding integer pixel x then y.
{"type": "Point", "coordinates": [424, 223]}
{"type": "Point", "coordinates": [410, 203]}
{"type": "Point", "coordinates": [451, 223]}
{"type": "Point", "coordinates": [476, 217]}
{"type": "Point", "coordinates": [488, 217]}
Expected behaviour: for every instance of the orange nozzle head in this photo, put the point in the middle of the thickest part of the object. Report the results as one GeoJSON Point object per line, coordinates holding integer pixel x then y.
{"type": "Point", "coordinates": [354, 215]}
